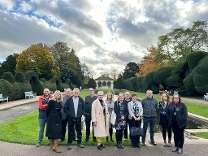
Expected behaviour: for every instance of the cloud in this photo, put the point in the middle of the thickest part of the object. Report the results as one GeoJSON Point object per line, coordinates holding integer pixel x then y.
{"type": "Point", "coordinates": [105, 34]}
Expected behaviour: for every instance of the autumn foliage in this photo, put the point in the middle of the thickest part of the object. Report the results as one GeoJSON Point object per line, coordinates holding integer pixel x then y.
{"type": "Point", "coordinates": [147, 63]}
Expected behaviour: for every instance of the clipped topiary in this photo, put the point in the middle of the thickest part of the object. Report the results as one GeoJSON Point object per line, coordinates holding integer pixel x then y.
{"type": "Point", "coordinates": [120, 83]}
{"type": "Point", "coordinates": [7, 89]}
{"type": "Point", "coordinates": [148, 83]}
{"type": "Point", "coordinates": [32, 77]}
{"type": "Point", "coordinates": [58, 83]}
{"type": "Point", "coordinates": [189, 86]}
{"type": "Point", "coordinates": [194, 58]}
{"type": "Point", "coordinates": [19, 77]}
{"type": "Point", "coordinates": [133, 84]}
{"type": "Point", "coordinates": [161, 75]}
{"type": "Point", "coordinates": [139, 84]}
{"type": "Point", "coordinates": [91, 83]}
{"type": "Point", "coordinates": [200, 76]}
{"type": "Point", "coordinates": [8, 76]}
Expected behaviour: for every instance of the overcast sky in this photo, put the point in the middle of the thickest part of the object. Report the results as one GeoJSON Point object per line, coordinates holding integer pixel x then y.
{"type": "Point", "coordinates": [106, 34]}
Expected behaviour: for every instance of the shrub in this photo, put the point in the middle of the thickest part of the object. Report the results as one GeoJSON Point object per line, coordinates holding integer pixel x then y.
{"type": "Point", "coordinates": [161, 75]}
{"type": "Point", "coordinates": [58, 83]}
{"type": "Point", "coordinates": [32, 77]}
{"type": "Point", "coordinates": [182, 91]}
{"type": "Point", "coordinates": [189, 86]}
{"type": "Point", "coordinates": [7, 89]}
{"type": "Point", "coordinates": [48, 84]}
{"type": "Point", "coordinates": [200, 76]}
{"type": "Point", "coordinates": [91, 83]}
{"type": "Point", "coordinates": [194, 58]}
{"type": "Point", "coordinates": [8, 76]}
{"type": "Point", "coordinates": [177, 75]}
{"type": "Point", "coordinates": [120, 83]}
{"type": "Point", "coordinates": [19, 77]}
{"type": "Point", "coordinates": [148, 83]}
{"type": "Point", "coordinates": [133, 84]}
{"type": "Point", "coordinates": [139, 84]}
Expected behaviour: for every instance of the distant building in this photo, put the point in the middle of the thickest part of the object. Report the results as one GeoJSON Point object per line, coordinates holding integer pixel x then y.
{"type": "Point", "coordinates": [104, 82]}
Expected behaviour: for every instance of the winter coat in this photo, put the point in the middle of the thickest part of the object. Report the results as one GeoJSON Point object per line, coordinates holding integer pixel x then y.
{"type": "Point", "coordinates": [181, 114]}
{"type": "Point", "coordinates": [163, 121]}
{"type": "Point", "coordinates": [53, 113]}
{"type": "Point", "coordinates": [102, 127]}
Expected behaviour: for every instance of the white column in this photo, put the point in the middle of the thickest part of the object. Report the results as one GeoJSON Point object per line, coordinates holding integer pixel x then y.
{"type": "Point", "coordinates": [111, 84]}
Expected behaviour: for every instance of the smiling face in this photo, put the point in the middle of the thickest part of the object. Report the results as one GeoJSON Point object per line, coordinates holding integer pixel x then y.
{"type": "Point", "coordinates": [120, 97]}
{"type": "Point", "coordinates": [46, 92]}
{"type": "Point", "coordinates": [176, 98]}
{"type": "Point", "coordinates": [91, 91]}
{"type": "Point", "coordinates": [149, 94]}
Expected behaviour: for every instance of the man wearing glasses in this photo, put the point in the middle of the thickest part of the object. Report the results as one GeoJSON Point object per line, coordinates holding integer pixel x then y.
{"type": "Point", "coordinates": [88, 106]}
{"type": "Point", "coordinates": [42, 119]}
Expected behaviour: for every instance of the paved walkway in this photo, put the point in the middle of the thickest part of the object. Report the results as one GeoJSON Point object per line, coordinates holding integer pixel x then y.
{"type": "Point", "coordinates": [192, 147]}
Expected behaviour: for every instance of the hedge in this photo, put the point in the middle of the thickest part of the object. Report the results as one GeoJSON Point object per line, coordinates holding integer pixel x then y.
{"type": "Point", "coordinates": [148, 83]}
{"type": "Point", "coordinates": [8, 76]}
{"type": "Point", "coordinates": [139, 84]}
{"type": "Point", "coordinates": [194, 58]}
{"type": "Point", "coordinates": [200, 76]}
{"type": "Point", "coordinates": [189, 86]}
{"type": "Point", "coordinates": [7, 89]}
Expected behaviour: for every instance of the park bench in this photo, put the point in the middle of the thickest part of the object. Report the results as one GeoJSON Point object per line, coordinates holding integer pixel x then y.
{"type": "Point", "coordinates": [30, 94]}
{"type": "Point", "coordinates": [3, 98]}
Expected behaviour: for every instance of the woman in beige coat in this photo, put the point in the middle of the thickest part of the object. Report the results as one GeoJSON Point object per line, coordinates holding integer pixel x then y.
{"type": "Point", "coordinates": [100, 119]}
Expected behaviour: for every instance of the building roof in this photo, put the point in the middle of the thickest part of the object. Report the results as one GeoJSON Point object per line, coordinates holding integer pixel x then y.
{"type": "Point", "coordinates": [104, 78]}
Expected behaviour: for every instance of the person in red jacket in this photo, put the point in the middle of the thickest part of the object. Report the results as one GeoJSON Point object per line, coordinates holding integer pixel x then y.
{"type": "Point", "coordinates": [42, 119]}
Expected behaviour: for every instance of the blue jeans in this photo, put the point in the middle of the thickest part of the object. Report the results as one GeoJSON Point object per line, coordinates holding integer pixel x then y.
{"type": "Point", "coordinates": [148, 121]}
{"type": "Point", "coordinates": [42, 123]}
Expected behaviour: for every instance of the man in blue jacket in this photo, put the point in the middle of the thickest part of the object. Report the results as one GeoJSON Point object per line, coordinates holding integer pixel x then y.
{"type": "Point", "coordinates": [149, 105]}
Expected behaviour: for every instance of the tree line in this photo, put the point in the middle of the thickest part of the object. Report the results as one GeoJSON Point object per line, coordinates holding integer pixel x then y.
{"type": "Point", "coordinates": [178, 62]}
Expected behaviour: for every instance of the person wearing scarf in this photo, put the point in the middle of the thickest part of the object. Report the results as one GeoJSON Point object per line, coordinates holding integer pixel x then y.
{"type": "Point", "coordinates": [177, 115]}
{"type": "Point", "coordinates": [135, 116]}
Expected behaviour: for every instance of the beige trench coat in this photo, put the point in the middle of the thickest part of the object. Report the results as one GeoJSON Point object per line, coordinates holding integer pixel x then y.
{"type": "Point", "coordinates": [102, 127]}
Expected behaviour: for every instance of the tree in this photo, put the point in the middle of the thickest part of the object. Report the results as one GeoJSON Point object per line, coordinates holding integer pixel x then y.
{"type": "Point", "coordinates": [147, 63]}
{"type": "Point", "coordinates": [176, 45]}
{"type": "Point", "coordinates": [91, 83]}
{"type": "Point", "coordinates": [130, 70]}
{"type": "Point", "coordinates": [67, 62]}
{"type": "Point", "coordinates": [9, 64]}
{"type": "Point", "coordinates": [86, 72]}
{"type": "Point", "coordinates": [39, 59]}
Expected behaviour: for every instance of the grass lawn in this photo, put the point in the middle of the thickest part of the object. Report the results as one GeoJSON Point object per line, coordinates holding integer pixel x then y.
{"type": "Point", "coordinates": [24, 130]}
{"type": "Point", "coordinates": [201, 134]}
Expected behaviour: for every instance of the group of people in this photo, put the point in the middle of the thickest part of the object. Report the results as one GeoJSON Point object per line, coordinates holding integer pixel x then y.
{"type": "Point", "coordinates": [129, 112]}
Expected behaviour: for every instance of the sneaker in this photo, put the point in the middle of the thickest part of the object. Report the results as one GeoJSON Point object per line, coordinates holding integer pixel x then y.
{"type": "Point", "coordinates": [153, 143]}
{"type": "Point", "coordinates": [38, 145]}
{"type": "Point", "coordinates": [180, 150]}
{"type": "Point", "coordinates": [175, 149]}
{"type": "Point", "coordinates": [80, 146]}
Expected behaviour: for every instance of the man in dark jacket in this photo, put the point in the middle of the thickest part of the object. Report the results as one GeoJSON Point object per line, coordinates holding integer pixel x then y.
{"type": "Point", "coordinates": [149, 105]}
{"type": "Point", "coordinates": [42, 119]}
{"type": "Point", "coordinates": [88, 106]}
{"type": "Point", "coordinates": [74, 109]}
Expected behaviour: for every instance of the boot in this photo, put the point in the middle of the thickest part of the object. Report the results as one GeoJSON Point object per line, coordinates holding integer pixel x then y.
{"type": "Point", "coordinates": [56, 149]}
{"type": "Point", "coordinates": [52, 144]}
{"type": "Point", "coordinates": [111, 138]}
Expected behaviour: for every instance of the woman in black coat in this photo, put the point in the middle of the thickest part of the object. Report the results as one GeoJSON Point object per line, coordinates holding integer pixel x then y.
{"type": "Point", "coordinates": [163, 122]}
{"type": "Point", "coordinates": [177, 118]}
{"type": "Point", "coordinates": [121, 112]}
{"type": "Point", "coordinates": [53, 113]}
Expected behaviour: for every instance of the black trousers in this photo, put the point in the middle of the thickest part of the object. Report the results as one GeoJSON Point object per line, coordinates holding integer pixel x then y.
{"type": "Point", "coordinates": [178, 135]}
{"type": "Point", "coordinates": [119, 136]}
{"type": "Point", "coordinates": [63, 130]}
{"type": "Point", "coordinates": [135, 140]}
{"type": "Point", "coordinates": [126, 130]}
{"type": "Point", "coordinates": [77, 123]}
{"type": "Point", "coordinates": [148, 121]}
{"type": "Point", "coordinates": [88, 124]}
{"type": "Point", "coordinates": [166, 129]}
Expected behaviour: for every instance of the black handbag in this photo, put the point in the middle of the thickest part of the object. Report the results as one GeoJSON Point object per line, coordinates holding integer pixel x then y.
{"type": "Point", "coordinates": [136, 131]}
